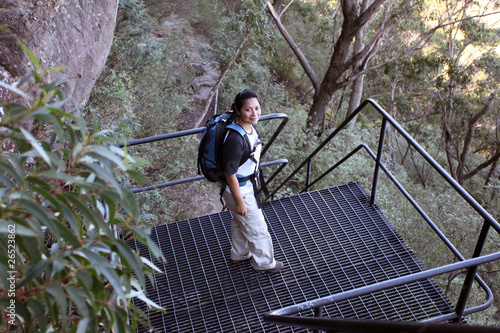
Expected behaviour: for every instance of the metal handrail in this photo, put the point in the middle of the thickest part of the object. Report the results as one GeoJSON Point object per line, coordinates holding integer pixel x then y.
{"type": "Point", "coordinates": [274, 116]}
{"type": "Point", "coordinates": [412, 142]}
{"type": "Point", "coordinates": [489, 221]}
{"type": "Point", "coordinates": [273, 316]}
{"type": "Point", "coordinates": [283, 163]}
{"type": "Point", "coordinates": [161, 137]}
{"type": "Point", "coordinates": [384, 326]}
{"type": "Point", "coordinates": [417, 207]}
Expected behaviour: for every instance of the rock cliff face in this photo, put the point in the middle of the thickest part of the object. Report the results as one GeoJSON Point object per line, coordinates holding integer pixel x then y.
{"type": "Point", "coordinates": [75, 34]}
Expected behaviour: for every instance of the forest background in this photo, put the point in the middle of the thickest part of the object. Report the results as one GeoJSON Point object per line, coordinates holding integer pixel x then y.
{"type": "Point", "coordinates": [434, 65]}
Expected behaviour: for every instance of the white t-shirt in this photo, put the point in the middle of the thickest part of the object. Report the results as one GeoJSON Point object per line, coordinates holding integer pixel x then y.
{"type": "Point", "coordinates": [249, 166]}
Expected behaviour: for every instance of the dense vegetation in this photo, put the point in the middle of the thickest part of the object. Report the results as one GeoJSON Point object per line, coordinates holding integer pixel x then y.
{"type": "Point", "coordinates": [432, 64]}
{"type": "Point", "coordinates": [64, 219]}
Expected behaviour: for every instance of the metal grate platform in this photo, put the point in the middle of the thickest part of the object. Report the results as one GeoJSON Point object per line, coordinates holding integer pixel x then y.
{"type": "Point", "coordinates": [330, 240]}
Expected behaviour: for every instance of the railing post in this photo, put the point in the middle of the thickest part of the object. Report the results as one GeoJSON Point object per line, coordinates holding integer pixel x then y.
{"type": "Point", "coordinates": [379, 158]}
{"type": "Point", "coordinates": [471, 273]}
{"type": "Point", "coordinates": [318, 313]}
{"type": "Point", "coordinates": [308, 177]}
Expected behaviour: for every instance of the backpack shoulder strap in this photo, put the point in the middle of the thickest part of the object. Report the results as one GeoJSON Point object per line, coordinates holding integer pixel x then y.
{"type": "Point", "coordinates": [237, 128]}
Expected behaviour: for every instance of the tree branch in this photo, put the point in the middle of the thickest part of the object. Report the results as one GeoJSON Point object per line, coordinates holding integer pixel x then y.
{"type": "Point", "coordinates": [368, 13]}
{"type": "Point", "coordinates": [286, 7]}
{"type": "Point", "coordinates": [302, 59]}
{"type": "Point", "coordinates": [469, 136]}
{"type": "Point", "coordinates": [420, 43]}
{"type": "Point", "coordinates": [482, 166]}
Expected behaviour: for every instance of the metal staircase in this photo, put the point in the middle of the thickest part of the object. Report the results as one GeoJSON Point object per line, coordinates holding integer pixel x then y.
{"type": "Point", "coordinates": [345, 265]}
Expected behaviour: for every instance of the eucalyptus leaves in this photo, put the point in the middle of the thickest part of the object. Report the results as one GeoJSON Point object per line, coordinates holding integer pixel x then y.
{"type": "Point", "coordinates": [60, 199]}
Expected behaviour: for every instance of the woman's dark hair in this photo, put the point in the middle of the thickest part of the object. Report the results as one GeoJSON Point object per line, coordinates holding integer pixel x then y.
{"type": "Point", "coordinates": [241, 97]}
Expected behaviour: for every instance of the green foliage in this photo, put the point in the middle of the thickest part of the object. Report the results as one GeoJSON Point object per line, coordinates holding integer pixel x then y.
{"type": "Point", "coordinates": [141, 93]}
{"type": "Point", "coordinates": [135, 11]}
{"type": "Point", "coordinates": [61, 267]}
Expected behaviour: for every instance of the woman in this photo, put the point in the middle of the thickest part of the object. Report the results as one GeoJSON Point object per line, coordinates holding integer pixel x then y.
{"type": "Point", "coordinates": [249, 235]}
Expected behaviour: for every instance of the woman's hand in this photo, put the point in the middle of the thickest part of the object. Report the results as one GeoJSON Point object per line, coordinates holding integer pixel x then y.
{"type": "Point", "coordinates": [241, 209]}
{"type": "Point", "coordinates": [232, 181]}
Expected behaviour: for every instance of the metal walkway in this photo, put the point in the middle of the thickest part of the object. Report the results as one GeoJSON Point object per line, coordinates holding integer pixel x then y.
{"type": "Point", "coordinates": [330, 240]}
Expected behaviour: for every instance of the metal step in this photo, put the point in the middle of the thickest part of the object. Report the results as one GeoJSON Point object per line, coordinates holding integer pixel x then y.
{"type": "Point", "coordinates": [330, 240]}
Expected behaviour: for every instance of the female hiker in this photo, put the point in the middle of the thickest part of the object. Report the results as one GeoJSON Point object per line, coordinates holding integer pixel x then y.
{"type": "Point", "coordinates": [249, 235]}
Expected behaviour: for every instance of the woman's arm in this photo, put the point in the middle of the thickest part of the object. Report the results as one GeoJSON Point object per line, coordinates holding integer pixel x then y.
{"type": "Point", "coordinates": [234, 186]}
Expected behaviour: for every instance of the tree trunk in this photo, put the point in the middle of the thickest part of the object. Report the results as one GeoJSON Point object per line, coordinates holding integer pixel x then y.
{"type": "Point", "coordinates": [339, 62]}
{"type": "Point", "coordinates": [357, 86]}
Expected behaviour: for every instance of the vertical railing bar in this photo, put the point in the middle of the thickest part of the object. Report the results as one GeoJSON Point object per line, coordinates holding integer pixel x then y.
{"type": "Point", "coordinates": [284, 121]}
{"type": "Point", "coordinates": [216, 109]}
{"type": "Point", "coordinates": [379, 158]}
{"type": "Point", "coordinates": [308, 176]}
{"type": "Point", "coordinates": [471, 273]}
{"type": "Point", "coordinates": [318, 313]}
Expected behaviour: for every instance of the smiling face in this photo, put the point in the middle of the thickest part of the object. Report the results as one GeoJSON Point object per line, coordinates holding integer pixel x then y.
{"type": "Point", "coordinates": [249, 114]}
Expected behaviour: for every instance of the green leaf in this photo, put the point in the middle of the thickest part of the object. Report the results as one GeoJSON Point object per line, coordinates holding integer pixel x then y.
{"type": "Point", "coordinates": [12, 172]}
{"type": "Point", "coordinates": [6, 182]}
{"type": "Point", "coordinates": [104, 268]}
{"type": "Point", "coordinates": [39, 213]}
{"type": "Point", "coordinates": [104, 175]}
{"type": "Point", "coordinates": [39, 312]}
{"type": "Point", "coordinates": [49, 117]}
{"type": "Point", "coordinates": [120, 324]}
{"type": "Point", "coordinates": [150, 264]}
{"type": "Point", "coordinates": [142, 235]}
{"type": "Point", "coordinates": [130, 257]}
{"type": "Point", "coordinates": [89, 215]}
{"type": "Point", "coordinates": [75, 296]}
{"type": "Point", "coordinates": [30, 54]}
{"type": "Point", "coordinates": [42, 153]}
{"type": "Point", "coordinates": [57, 69]}
{"type": "Point", "coordinates": [108, 196]}
{"type": "Point", "coordinates": [86, 279]}
{"type": "Point", "coordinates": [47, 196]}
{"type": "Point", "coordinates": [139, 177]}
{"type": "Point", "coordinates": [129, 203]}
{"type": "Point", "coordinates": [99, 151]}
{"type": "Point", "coordinates": [58, 294]}
{"type": "Point", "coordinates": [34, 272]}
{"type": "Point", "coordinates": [54, 108]}
{"type": "Point", "coordinates": [14, 90]}
{"type": "Point", "coordinates": [67, 235]}
{"type": "Point", "coordinates": [83, 324]}
{"type": "Point", "coordinates": [75, 226]}
{"type": "Point", "coordinates": [61, 176]}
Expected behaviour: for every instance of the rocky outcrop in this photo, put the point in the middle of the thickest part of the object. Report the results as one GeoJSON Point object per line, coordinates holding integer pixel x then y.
{"type": "Point", "coordinates": [75, 34]}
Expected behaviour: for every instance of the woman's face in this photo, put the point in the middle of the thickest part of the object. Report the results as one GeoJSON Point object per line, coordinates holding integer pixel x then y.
{"type": "Point", "coordinates": [250, 111]}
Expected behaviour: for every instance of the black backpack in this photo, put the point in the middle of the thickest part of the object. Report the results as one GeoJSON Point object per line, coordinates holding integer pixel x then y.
{"type": "Point", "coordinates": [210, 147]}
{"type": "Point", "coordinates": [210, 152]}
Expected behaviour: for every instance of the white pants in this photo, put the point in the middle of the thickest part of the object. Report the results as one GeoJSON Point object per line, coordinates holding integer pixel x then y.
{"type": "Point", "coordinates": [249, 234]}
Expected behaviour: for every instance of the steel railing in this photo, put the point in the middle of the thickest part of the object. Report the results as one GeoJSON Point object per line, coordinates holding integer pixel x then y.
{"type": "Point", "coordinates": [284, 316]}
{"type": "Point", "coordinates": [195, 131]}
